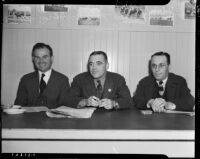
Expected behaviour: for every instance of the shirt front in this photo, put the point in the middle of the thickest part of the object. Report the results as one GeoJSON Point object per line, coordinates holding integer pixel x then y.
{"type": "Point", "coordinates": [163, 84]}
{"type": "Point", "coordinates": [102, 81]}
{"type": "Point", "coordinates": [47, 75]}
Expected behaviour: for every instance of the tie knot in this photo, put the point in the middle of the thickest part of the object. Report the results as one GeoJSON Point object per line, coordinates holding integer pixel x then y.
{"type": "Point", "coordinates": [160, 82]}
{"type": "Point", "coordinates": [98, 81]}
{"type": "Point", "coordinates": [43, 75]}
{"type": "Point", "coordinates": [99, 86]}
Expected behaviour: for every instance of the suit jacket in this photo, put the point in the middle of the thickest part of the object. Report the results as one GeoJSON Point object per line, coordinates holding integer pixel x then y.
{"type": "Point", "coordinates": [176, 89]}
{"type": "Point", "coordinates": [54, 95]}
{"type": "Point", "coordinates": [115, 88]}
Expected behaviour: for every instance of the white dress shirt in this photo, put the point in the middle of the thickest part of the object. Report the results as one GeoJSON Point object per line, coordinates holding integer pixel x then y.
{"type": "Point", "coordinates": [47, 75]}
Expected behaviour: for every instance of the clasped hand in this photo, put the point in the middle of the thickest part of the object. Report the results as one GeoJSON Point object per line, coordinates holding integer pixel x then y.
{"type": "Point", "coordinates": [96, 102]}
{"type": "Point", "coordinates": [157, 105]}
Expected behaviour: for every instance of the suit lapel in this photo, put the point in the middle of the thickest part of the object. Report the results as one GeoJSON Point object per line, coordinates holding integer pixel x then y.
{"type": "Point", "coordinates": [170, 87]}
{"type": "Point", "coordinates": [90, 86]}
{"type": "Point", "coordinates": [50, 81]}
{"type": "Point", "coordinates": [152, 89]}
{"type": "Point", "coordinates": [36, 83]}
{"type": "Point", "coordinates": [108, 86]}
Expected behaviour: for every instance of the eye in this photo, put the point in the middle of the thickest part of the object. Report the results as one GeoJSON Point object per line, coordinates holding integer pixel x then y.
{"type": "Point", "coordinates": [162, 65]}
{"type": "Point", "coordinates": [153, 66]}
{"type": "Point", "coordinates": [45, 56]}
{"type": "Point", "coordinates": [99, 62]}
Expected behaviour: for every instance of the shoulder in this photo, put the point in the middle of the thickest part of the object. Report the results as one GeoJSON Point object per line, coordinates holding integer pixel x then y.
{"type": "Point", "coordinates": [29, 76]}
{"type": "Point", "coordinates": [82, 76]}
{"type": "Point", "coordinates": [146, 80]}
{"type": "Point", "coordinates": [59, 75]}
{"type": "Point", "coordinates": [115, 76]}
{"type": "Point", "coordinates": [176, 78]}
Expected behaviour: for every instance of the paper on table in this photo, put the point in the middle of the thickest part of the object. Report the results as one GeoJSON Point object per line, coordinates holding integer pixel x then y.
{"type": "Point", "coordinates": [35, 109]}
{"type": "Point", "coordinates": [55, 115]}
{"type": "Point", "coordinates": [72, 112]}
{"type": "Point", "coordinates": [180, 112]}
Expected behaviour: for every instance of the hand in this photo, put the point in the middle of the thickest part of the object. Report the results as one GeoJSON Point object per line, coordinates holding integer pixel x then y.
{"type": "Point", "coordinates": [149, 103]}
{"type": "Point", "coordinates": [158, 105]}
{"type": "Point", "coordinates": [93, 101]}
{"type": "Point", "coordinates": [106, 103]}
{"type": "Point", "coordinates": [170, 106]}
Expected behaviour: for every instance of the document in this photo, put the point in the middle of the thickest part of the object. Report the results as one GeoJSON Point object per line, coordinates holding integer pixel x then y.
{"type": "Point", "coordinates": [35, 109]}
{"type": "Point", "coordinates": [64, 111]}
{"type": "Point", "coordinates": [145, 112]}
{"type": "Point", "coordinates": [180, 112]}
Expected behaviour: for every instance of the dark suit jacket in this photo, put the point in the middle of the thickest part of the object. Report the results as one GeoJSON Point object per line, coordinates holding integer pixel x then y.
{"type": "Point", "coordinates": [177, 92]}
{"type": "Point", "coordinates": [54, 95]}
{"type": "Point", "coordinates": [115, 88]}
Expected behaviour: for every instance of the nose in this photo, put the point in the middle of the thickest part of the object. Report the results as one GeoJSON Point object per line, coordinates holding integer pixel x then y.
{"type": "Point", "coordinates": [157, 68]}
{"type": "Point", "coordinates": [40, 60]}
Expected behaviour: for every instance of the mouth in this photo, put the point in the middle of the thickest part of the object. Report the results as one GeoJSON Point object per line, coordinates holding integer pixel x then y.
{"type": "Point", "coordinates": [158, 75]}
{"type": "Point", "coordinates": [94, 72]}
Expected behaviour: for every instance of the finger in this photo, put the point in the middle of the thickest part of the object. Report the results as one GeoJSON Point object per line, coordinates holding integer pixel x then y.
{"type": "Point", "coordinates": [153, 108]}
{"type": "Point", "coordinates": [108, 107]}
{"type": "Point", "coordinates": [95, 98]}
{"type": "Point", "coordinates": [94, 103]}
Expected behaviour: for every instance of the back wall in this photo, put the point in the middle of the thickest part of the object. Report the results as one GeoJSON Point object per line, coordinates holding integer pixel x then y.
{"type": "Point", "coordinates": [128, 45]}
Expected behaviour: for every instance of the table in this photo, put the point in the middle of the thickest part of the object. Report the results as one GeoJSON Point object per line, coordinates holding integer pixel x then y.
{"type": "Point", "coordinates": [107, 131]}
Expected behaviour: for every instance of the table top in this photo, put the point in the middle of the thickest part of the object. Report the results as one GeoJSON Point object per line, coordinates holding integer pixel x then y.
{"type": "Point", "coordinates": [127, 119]}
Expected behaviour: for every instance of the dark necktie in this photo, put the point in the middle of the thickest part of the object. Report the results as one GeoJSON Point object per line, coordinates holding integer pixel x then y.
{"type": "Point", "coordinates": [99, 89]}
{"type": "Point", "coordinates": [160, 88]}
{"type": "Point", "coordinates": [42, 84]}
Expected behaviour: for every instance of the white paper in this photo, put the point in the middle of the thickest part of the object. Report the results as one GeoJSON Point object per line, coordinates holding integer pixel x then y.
{"type": "Point", "coordinates": [72, 112]}
{"type": "Point", "coordinates": [35, 109]}
{"type": "Point", "coordinates": [180, 112]}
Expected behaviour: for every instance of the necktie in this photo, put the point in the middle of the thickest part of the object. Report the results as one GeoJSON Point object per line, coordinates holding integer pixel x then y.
{"type": "Point", "coordinates": [99, 89]}
{"type": "Point", "coordinates": [160, 88]}
{"type": "Point", "coordinates": [42, 84]}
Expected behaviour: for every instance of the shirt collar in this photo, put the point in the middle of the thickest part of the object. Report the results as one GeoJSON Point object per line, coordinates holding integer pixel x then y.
{"type": "Point", "coordinates": [164, 81]}
{"type": "Point", "coordinates": [47, 75]}
{"type": "Point", "coordinates": [101, 79]}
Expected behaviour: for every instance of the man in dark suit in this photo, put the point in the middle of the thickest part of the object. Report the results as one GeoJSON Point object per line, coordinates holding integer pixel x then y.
{"type": "Point", "coordinates": [45, 86]}
{"type": "Point", "coordinates": [162, 90]}
{"type": "Point", "coordinates": [98, 87]}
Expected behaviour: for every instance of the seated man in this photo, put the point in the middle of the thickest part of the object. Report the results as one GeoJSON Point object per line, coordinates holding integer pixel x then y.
{"type": "Point", "coordinates": [45, 86]}
{"type": "Point", "coordinates": [98, 87]}
{"type": "Point", "coordinates": [163, 90]}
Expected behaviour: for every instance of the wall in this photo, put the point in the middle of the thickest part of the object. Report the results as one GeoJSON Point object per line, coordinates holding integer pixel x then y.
{"type": "Point", "coordinates": [129, 46]}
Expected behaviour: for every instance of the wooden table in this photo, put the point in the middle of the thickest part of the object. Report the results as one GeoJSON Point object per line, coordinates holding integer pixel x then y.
{"type": "Point", "coordinates": [109, 132]}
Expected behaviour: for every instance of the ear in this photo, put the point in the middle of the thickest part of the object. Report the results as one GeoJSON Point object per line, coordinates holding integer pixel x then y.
{"type": "Point", "coordinates": [52, 58]}
{"type": "Point", "coordinates": [107, 66]}
{"type": "Point", "coordinates": [170, 67]}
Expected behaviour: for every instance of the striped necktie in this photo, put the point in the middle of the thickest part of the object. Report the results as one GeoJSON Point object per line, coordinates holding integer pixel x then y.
{"type": "Point", "coordinates": [42, 84]}
{"type": "Point", "coordinates": [99, 89]}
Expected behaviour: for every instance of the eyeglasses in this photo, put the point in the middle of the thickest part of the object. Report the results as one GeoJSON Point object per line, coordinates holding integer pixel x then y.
{"type": "Point", "coordinates": [160, 66]}
{"type": "Point", "coordinates": [45, 57]}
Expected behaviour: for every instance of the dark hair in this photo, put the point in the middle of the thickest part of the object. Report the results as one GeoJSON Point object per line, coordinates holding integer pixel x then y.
{"type": "Point", "coordinates": [99, 53]}
{"type": "Point", "coordinates": [41, 46]}
{"type": "Point", "coordinates": [162, 54]}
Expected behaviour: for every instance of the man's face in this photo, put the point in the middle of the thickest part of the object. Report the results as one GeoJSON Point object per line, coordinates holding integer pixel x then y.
{"type": "Point", "coordinates": [159, 67]}
{"type": "Point", "coordinates": [42, 59]}
{"type": "Point", "coordinates": [97, 66]}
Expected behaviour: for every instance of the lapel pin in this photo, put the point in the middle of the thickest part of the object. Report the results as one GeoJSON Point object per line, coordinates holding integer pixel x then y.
{"type": "Point", "coordinates": [109, 90]}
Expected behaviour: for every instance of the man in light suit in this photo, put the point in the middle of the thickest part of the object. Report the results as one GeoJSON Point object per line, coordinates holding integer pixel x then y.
{"type": "Point", "coordinates": [162, 90]}
{"type": "Point", "coordinates": [45, 86]}
{"type": "Point", "coordinates": [98, 87]}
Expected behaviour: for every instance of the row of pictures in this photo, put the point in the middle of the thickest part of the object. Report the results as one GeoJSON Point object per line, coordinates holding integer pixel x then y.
{"type": "Point", "coordinates": [91, 16]}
